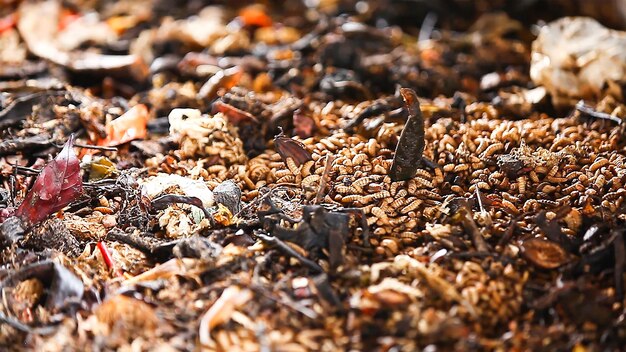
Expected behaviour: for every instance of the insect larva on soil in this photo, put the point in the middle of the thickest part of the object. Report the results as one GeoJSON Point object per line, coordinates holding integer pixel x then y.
{"type": "Point", "coordinates": [598, 163]}
{"type": "Point", "coordinates": [424, 193]}
{"type": "Point", "coordinates": [311, 180]}
{"type": "Point", "coordinates": [352, 198]}
{"type": "Point", "coordinates": [380, 195]}
{"type": "Point", "coordinates": [555, 179]}
{"type": "Point", "coordinates": [413, 205]}
{"type": "Point", "coordinates": [401, 193]}
{"type": "Point", "coordinates": [449, 167]}
{"type": "Point", "coordinates": [553, 171]}
{"type": "Point", "coordinates": [394, 187]}
{"type": "Point", "coordinates": [306, 168]}
{"type": "Point", "coordinates": [492, 149]}
{"type": "Point", "coordinates": [397, 203]}
{"type": "Point", "coordinates": [291, 165]}
{"type": "Point", "coordinates": [286, 179]}
{"type": "Point", "coordinates": [344, 189]}
{"type": "Point", "coordinates": [282, 173]}
{"type": "Point", "coordinates": [599, 181]}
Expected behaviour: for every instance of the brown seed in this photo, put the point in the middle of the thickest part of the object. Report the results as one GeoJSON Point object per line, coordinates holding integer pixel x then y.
{"type": "Point", "coordinates": [543, 253]}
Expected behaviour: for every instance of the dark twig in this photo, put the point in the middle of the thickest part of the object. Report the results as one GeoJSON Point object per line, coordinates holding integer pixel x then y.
{"type": "Point", "coordinates": [16, 324]}
{"type": "Point", "coordinates": [286, 301]}
{"type": "Point", "coordinates": [320, 191]}
{"type": "Point", "coordinates": [163, 201]}
{"type": "Point", "coordinates": [620, 253]}
{"type": "Point", "coordinates": [88, 146]}
{"type": "Point", "coordinates": [290, 251]}
{"type": "Point", "coordinates": [25, 170]}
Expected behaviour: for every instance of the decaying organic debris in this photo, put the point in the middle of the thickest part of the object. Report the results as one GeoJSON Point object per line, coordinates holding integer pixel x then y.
{"type": "Point", "coordinates": [310, 176]}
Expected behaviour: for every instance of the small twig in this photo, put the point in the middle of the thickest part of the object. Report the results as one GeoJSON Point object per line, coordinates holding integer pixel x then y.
{"type": "Point", "coordinates": [588, 110]}
{"type": "Point", "coordinates": [469, 225]}
{"type": "Point", "coordinates": [618, 248]}
{"type": "Point", "coordinates": [18, 325]}
{"type": "Point", "coordinates": [89, 146]}
{"type": "Point", "coordinates": [508, 234]}
{"type": "Point", "coordinates": [25, 169]}
{"type": "Point", "coordinates": [286, 301]}
{"type": "Point", "coordinates": [480, 201]}
{"type": "Point", "coordinates": [163, 201]}
{"type": "Point", "coordinates": [290, 251]}
{"type": "Point", "coordinates": [96, 147]}
{"type": "Point", "coordinates": [329, 162]}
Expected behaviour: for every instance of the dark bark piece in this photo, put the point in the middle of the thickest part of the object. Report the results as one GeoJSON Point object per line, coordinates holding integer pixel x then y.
{"type": "Point", "coordinates": [20, 108]}
{"type": "Point", "coordinates": [411, 144]}
{"type": "Point", "coordinates": [11, 231]}
{"type": "Point", "coordinates": [155, 249]}
{"type": "Point", "coordinates": [372, 110]}
{"type": "Point", "coordinates": [510, 164]}
{"type": "Point", "coordinates": [196, 247]}
{"type": "Point", "coordinates": [462, 212]}
{"type": "Point", "coordinates": [65, 288]}
{"type": "Point", "coordinates": [553, 231]}
{"type": "Point", "coordinates": [234, 114]}
{"type": "Point", "coordinates": [290, 251]}
{"type": "Point", "coordinates": [52, 234]}
{"type": "Point", "coordinates": [24, 144]}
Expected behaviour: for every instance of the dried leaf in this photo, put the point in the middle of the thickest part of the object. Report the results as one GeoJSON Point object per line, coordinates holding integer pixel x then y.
{"type": "Point", "coordinates": [223, 216]}
{"type": "Point", "coordinates": [232, 298]}
{"type": "Point", "coordinates": [101, 168]}
{"type": "Point", "coordinates": [58, 184]}
{"type": "Point", "coordinates": [165, 271]}
{"type": "Point", "coordinates": [291, 148]}
{"type": "Point", "coordinates": [38, 26]}
{"type": "Point", "coordinates": [411, 144]}
{"type": "Point", "coordinates": [235, 115]}
{"type": "Point", "coordinates": [128, 127]}
{"type": "Point", "coordinates": [64, 287]}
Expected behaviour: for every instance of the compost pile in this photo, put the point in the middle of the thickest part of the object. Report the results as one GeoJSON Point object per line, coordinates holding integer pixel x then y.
{"type": "Point", "coordinates": [316, 175]}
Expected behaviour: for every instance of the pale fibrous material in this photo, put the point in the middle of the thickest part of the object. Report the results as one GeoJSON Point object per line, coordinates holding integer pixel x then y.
{"type": "Point", "coordinates": [577, 58]}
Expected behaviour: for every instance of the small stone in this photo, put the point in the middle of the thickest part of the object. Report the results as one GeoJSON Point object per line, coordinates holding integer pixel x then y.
{"type": "Point", "coordinates": [109, 221]}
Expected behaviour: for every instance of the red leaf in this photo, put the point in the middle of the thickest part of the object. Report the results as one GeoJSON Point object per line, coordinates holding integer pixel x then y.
{"type": "Point", "coordinates": [58, 184]}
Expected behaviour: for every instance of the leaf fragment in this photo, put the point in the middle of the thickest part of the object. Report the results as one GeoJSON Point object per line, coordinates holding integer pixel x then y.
{"type": "Point", "coordinates": [58, 184]}
{"type": "Point", "coordinates": [291, 148]}
{"type": "Point", "coordinates": [411, 144]}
